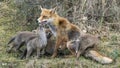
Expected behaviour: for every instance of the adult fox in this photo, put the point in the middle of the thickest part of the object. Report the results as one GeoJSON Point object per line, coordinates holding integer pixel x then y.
{"type": "Point", "coordinates": [66, 32]}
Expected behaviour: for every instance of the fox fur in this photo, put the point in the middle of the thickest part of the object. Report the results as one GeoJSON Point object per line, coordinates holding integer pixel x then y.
{"type": "Point", "coordinates": [69, 33]}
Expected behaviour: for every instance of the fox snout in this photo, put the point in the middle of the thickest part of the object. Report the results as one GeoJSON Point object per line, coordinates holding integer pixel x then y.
{"type": "Point", "coordinates": [41, 22]}
{"type": "Point", "coordinates": [45, 20]}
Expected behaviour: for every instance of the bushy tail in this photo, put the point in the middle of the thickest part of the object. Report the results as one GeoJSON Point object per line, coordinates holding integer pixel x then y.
{"type": "Point", "coordinates": [98, 57]}
{"type": "Point", "coordinates": [11, 40]}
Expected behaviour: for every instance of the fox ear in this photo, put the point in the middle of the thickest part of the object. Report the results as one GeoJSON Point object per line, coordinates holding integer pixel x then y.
{"type": "Point", "coordinates": [41, 7]}
{"type": "Point", "coordinates": [53, 10]}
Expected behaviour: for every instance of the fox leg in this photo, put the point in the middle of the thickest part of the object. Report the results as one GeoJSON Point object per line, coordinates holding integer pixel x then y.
{"type": "Point", "coordinates": [43, 51]}
{"type": "Point", "coordinates": [38, 52]}
{"type": "Point", "coordinates": [29, 51]}
{"type": "Point", "coordinates": [71, 48]}
{"type": "Point", "coordinates": [81, 48]}
{"type": "Point", "coordinates": [24, 53]}
{"type": "Point", "coordinates": [19, 46]}
{"type": "Point", "coordinates": [80, 51]}
{"type": "Point", "coordinates": [58, 42]}
{"type": "Point", "coordinates": [98, 57]}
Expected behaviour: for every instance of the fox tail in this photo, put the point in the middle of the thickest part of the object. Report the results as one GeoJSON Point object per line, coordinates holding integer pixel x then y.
{"type": "Point", "coordinates": [11, 40]}
{"type": "Point", "coordinates": [98, 57]}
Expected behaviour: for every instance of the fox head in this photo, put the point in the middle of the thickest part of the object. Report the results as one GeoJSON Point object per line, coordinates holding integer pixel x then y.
{"type": "Point", "coordinates": [47, 14]}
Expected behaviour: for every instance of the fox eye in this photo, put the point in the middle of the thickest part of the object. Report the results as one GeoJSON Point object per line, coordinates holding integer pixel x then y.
{"type": "Point", "coordinates": [44, 16]}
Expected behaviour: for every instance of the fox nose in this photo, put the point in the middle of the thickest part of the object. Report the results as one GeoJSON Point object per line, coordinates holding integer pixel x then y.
{"type": "Point", "coordinates": [43, 21]}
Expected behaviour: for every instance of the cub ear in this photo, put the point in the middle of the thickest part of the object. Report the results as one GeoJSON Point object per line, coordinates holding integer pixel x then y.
{"type": "Point", "coordinates": [53, 10]}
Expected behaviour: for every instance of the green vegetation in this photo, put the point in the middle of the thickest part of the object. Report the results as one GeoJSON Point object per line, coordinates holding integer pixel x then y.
{"type": "Point", "coordinates": [21, 16]}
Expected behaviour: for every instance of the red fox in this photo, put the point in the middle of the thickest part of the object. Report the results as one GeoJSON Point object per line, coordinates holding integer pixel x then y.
{"type": "Point", "coordinates": [67, 32]}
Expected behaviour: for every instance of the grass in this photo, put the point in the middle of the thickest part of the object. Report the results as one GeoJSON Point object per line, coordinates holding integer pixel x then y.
{"type": "Point", "coordinates": [105, 48]}
{"type": "Point", "coordinates": [109, 48]}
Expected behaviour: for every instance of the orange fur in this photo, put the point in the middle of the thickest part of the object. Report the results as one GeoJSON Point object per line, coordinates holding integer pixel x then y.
{"type": "Point", "coordinates": [66, 32]}
{"type": "Point", "coordinates": [62, 25]}
{"type": "Point", "coordinates": [98, 57]}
